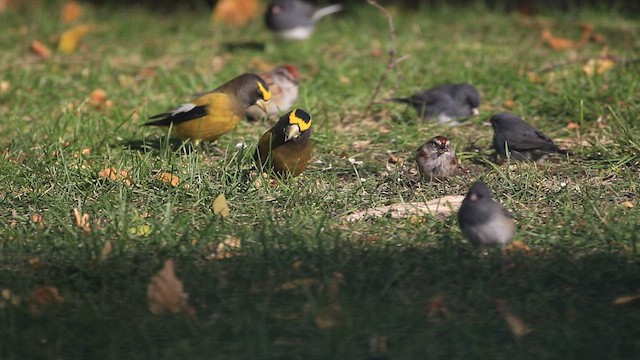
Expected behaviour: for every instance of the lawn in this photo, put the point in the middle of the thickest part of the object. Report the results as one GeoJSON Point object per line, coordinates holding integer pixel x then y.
{"type": "Point", "coordinates": [284, 275]}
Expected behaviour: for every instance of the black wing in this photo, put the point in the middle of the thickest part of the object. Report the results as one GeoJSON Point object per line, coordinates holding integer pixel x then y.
{"type": "Point", "coordinates": [177, 116]}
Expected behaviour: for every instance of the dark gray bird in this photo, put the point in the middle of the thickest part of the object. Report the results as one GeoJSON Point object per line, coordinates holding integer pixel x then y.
{"type": "Point", "coordinates": [521, 140]}
{"type": "Point", "coordinates": [445, 103]}
{"type": "Point", "coordinates": [483, 221]}
{"type": "Point", "coordinates": [295, 19]}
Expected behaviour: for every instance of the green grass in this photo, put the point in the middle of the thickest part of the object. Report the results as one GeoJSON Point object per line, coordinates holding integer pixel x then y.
{"type": "Point", "coordinates": [370, 279]}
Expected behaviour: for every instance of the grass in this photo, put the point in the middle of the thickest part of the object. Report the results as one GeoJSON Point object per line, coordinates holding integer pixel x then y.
{"type": "Point", "coordinates": [370, 282]}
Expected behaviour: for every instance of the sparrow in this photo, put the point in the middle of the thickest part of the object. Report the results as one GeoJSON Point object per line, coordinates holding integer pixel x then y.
{"type": "Point", "coordinates": [295, 19]}
{"type": "Point", "coordinates": [215, 113]}
{"type": "Point", "coordinates": [445, 103]}
{"type": "Point", "coordinates": [283, 84]}
{"type": "Point", "coordinates": [286, 147]}
{"type": "Point", "coordinates": [521, 140]}
{"type": "Point", "coordinates": [483, 221]}
{"type": "Point", "coordinates": [437, 159]}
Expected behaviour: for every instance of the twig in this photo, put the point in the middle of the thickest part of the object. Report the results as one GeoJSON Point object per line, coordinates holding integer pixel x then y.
{"type": "Point", "coordinates": [393, 52]}
{"type": "Point", "coordinates": [617, 59]}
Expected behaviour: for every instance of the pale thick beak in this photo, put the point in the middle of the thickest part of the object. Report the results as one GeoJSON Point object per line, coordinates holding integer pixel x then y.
{"type": "Point", "coordinates": [293, 131]}
{"type": "Point", "coordinates": [475, 111]}
{"type": "Point", "coordinates": [262, 105]}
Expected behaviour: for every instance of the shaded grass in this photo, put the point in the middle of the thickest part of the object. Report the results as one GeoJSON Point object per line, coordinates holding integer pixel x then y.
{"type": "Point", "coordinates": [381, 274]}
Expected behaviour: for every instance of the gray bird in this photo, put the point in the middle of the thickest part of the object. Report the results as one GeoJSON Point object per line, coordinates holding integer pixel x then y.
{"type": "Point", "coordinates": [521, 140]}
{"type": "Point", "coordinates": [483, 221]}
{"type": "Point", "coordinates": [445, 103]}
{"type": "Point", "coordinates": [295, 19]}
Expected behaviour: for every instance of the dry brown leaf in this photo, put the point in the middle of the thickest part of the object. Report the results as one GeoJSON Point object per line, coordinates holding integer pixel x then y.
{"type": "Point", "coordinates": [97, 97]}
{"type": "Point", "coordinates": [627, 204]}
{"type": "Point", "coordinates": [4, 86]}
{"type": "Point", "coordinates": [437, 306]}
{"type": "Point", "coordinates": [516, 325]}
{"type": "Point", "coordinates": [70, 39]}
{"type": "Point", "coordinates": [572, 125]}
{"type": "Point", "coordinates": [236, 12]}
{"type": "Point", "coordinates": [44, 296]}
{"type": "Point", "coordinates": [106, 250]}
{"type": "Point", "coordinates": [329, 317]}
{"type": "Point", "coordinates": [597, 66]}
{"type": "Point", "coordinates": [297, 283]}
{"type": "Point", "coordinates": [228, 248]}
{"type": "Point", "coordinates": [517, 246]}
{"type": "Point", "coordinates": [169, 178]}
{"type": "Point", "coordinates": [440, 208]}
{"type": "Point", "coordinates": [40, 49]}
{"type": "Point", "coordinates": [71, 11]}
{"type": "Point", "coordinates": [509, 104]}
{"type": "Point", "coordinates": [626, 300]}
{"type": "Point", "coordinates": [556, 43]}
{"type": "Point", "coordinates": [82, 221]}
{"type": "Point", "coordinates": [220, 206]}
{"type": "Point", "coordinates": [114, 174]}
{"type": "Point", "coordinates": [165, 293]}
{"type": "Point", "coordinates": [37, 219]}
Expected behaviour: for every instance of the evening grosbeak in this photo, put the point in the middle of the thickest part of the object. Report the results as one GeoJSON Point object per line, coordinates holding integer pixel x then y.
{"type": "Point", "coordinates": [217, 112]}
{"type": "Point", "coordinates": [286, 147]}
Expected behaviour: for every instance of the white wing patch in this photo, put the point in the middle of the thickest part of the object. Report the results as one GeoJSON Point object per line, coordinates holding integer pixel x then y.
{"type": "Point", "coordinates": [184, 108]}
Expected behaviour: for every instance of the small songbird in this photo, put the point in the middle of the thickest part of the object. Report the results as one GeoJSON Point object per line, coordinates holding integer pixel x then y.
{"type": "Point", "coordinates": [437, 159]}
{"type": "Point", "coordinates": [445, 103]}
{"type": "Point", "coordinates": [483, 221]}
{"type": "Point", "coordinates": [283, 84]}
{"type": "Point", "coordinates": [217, 112]}
{"type": "Point", "coordinates": [295, 19]}
{"type": "Point", "coordinates": [521, 140]}
{"type": "Point", "coordinates": [286, 147]}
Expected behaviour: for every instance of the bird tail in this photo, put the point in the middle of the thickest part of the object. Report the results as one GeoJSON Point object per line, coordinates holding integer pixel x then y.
{"type": "Point", "coordinates": [327, 10]}
{"type": "Point", "coordinates": [160, 120]}
{"type": "Point", "coordinates": [398, 100]}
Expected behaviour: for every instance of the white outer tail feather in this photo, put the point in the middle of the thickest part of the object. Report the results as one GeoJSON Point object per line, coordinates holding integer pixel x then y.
{"type": "Point", "coordinates": [327, 10]}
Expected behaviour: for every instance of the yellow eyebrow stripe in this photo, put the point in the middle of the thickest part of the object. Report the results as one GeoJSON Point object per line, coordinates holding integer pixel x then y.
{"type": "Point", "coordinates": [266, 94]}
{"type": "Point", "coordinates": [295, 120]}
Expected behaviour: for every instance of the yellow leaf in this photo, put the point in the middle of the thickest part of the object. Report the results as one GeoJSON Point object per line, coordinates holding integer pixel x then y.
{"type": "Point", "coordinates": [165, 293]}
{"type": "Point", "coordinates": [220, 206]}
{"type": "Point", "coordinates": [516, 325]}
{"type": "Point", "coordinates": [142, 230]}
{"type": "Point", "coordinates": [228, 248]}
{"type": "Point", "coordinates": [70, 39]}
{"type": "Point", "coordinates": [604, 65]}
{"type": "Point", "coordinates": [169, 178]}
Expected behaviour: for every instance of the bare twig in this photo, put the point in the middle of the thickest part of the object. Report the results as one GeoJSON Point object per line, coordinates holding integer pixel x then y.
{"type": "Point", "coordinates": [616, 59]}
{"type": "Point", "coordinates": [391, 63]}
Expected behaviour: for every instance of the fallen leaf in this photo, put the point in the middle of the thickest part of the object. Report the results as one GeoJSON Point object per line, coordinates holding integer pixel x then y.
{"type": "Point", "coordinates": [329, 317]}
{"type": "Point", "coordinates": [517, 246]}
{"type": "Point", "coordinates": [70, 39]}
{"type": "Point", "coordinates": [37, 219]}
{"type": "Point", "coordinates": [40, 49]}
{"type": "Point", "coordinates": [439, 208]}
{"type": "Point", "coordinates": [297, 283]}
{"type": "Point", "coordinates": [4, 86]}
{"type": "Point", "coordinates": [169, 178]}
{"type": "Point", "coordinates": [228, 248]}
{"type": "Point", "coordinates": [97, 97]}
{"type": "Point", "coordinates": [597, 66]}
{"type": "Point", "coordinates": [71, 11]}
{"type": "Point", "coordinates": [165, 293]}
{"type": "Point", "coordinates": [437, 306]}
{"type": "Point", "coordinates": [106, 250]}
{"type": "Point", "coordinates": [114, 174]}
{"type": "Point", "coordinates": [627, 204]}
{"type": "Point", "coordinates": [220, 206]}
{"type": "Point", "coordinates": [626, 300]}
{"type": "Point", "coordinates": [236, 12]}
{"type": "Point", "coordinates": [7, 297]}
{"type": "Point", "coordinates": [142, 230]}
{"type": "Point", "coordinates": [82, 221]}
{"type": "Point", "coordinates": [534, 78]}
{"type": "Point", "coordinates": [516, 325]}
{"type": "Point", "coordinates": [509, 104]}
{"type": "Point", "coordinates": [43, 296]}
{"type": "Point", "coordinates": [572, 125]}
{"type": "Point", "coordinates": [558, 43]}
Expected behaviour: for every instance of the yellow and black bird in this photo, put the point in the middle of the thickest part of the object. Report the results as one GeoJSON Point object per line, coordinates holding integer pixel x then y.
{"type": "Point", "coordinates": [287, 146]}
{"type": "Point", "coordinates": [217, 112]}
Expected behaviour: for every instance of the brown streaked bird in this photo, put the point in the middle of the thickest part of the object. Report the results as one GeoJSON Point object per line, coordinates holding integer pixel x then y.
{"type": "Point", "coordinates": [283, 84]}
{"type": "Point", "coordinates": [217, 112]}
{"type": "Point", "coordinates": [437, 159]}
{"type": "Point", "coordinates": [286, 147]}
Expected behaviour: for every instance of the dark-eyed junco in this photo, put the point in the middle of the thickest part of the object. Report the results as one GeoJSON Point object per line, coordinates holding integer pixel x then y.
{"type": "Point", "coordinates": [283, 84]}
{"type": "Point", "coordinates": [483, 221]}
{"type": "Point", "coordinates": [521, 140]}
{"type": "Point", "coordinates": [215, 113]}
{"type": "Point", "coordinates": [437, 159]}
{"type": "Point", "coordinates": [286, 147]}
{"type": "Point", "coordinates": [295, 19]}
{"type": "Point", "coordinates": [445, 103]}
